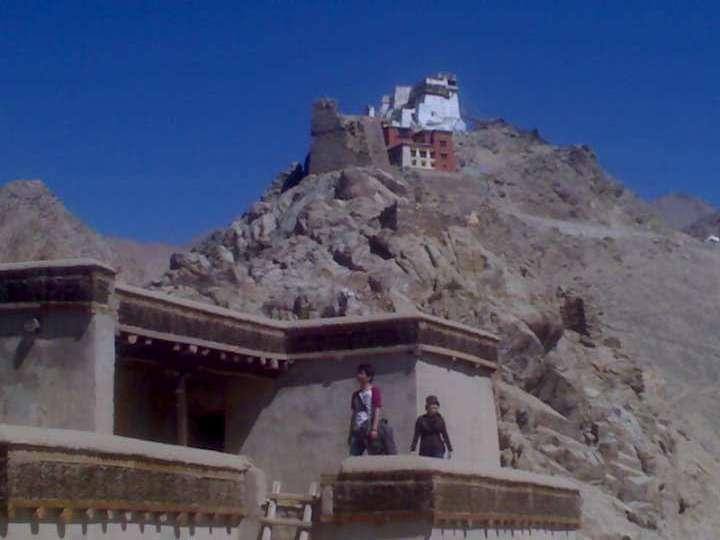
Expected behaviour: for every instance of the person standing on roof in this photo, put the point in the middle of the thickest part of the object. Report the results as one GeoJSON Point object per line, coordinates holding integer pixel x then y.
{"type": "Point", "coordinates": [431, 431]}
{"type": "Point", "coordinates": [366, 406]}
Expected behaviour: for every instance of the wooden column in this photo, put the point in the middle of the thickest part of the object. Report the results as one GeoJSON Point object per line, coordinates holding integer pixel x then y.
{"type": "Point", "coordinates": [182, 410]}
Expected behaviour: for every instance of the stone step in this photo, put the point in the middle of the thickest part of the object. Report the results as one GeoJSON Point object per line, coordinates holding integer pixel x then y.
{"type": "Point", "coordinates": [286, 522]}
{"type": "Point", "coordinates": [283, 499]}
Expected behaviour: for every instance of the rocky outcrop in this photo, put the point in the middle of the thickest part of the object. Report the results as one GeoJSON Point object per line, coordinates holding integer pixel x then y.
{"type": "Point", "coordinates": [606, 316]}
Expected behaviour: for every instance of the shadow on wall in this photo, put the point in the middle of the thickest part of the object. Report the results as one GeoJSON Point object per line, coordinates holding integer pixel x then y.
{"type": "Point", "coordinates": [22, 350]}
{"type": "Point", "coordinates": [31, 327]}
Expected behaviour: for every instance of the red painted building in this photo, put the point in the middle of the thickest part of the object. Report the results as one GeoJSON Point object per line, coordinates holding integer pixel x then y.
{"type": "Point", "coordinates": [424, 149]}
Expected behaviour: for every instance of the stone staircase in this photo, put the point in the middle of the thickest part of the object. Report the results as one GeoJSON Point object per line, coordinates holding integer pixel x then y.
{"type": "Point", "coordinates": [288, 515]}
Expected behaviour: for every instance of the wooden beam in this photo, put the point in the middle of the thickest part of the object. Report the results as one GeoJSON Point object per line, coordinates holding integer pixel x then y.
{"type": "Point", "coordinates": [66, 515]}
{"type": "Point", "coordinates": [182, 410]}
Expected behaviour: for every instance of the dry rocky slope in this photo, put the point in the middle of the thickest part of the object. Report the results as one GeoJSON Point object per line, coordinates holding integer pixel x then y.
{"type": "Point", "coordinates": [704, 227]}
{"type": "Point", "coordinates": [688, 214]}
{"type": "Point", "coordinates": [680, 210]}
{"type": "Point", "coordinates": [610, 371]}
{"type": "Point", "coordinates": [35, 225]}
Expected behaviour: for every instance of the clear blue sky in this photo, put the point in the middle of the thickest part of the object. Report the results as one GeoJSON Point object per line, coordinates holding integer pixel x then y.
{"type": "Point", "coordinates": [162, 120]}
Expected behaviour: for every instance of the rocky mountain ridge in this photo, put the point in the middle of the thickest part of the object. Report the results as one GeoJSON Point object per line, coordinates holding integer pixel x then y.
{"type": "Point", "coordinates": [605, 313]}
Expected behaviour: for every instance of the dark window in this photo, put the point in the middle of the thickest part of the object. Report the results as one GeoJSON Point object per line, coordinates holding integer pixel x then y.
{"type": "Point", "coordinates": [207, 431]}
{"type": "Point", "coordinates": [443, 155]}
{"type": "Point", "coordinates": [443, 143]}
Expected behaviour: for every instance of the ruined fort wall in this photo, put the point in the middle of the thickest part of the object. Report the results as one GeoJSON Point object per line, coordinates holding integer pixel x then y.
{"type": "Point", "coordinates": [340, 141]}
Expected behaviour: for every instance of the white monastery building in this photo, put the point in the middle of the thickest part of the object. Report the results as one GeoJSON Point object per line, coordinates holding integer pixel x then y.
{"type": "Point", "coordinates": [432, 104]}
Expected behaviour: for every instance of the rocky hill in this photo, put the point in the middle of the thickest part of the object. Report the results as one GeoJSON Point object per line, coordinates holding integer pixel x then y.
{"type": "Point", "coordinates": [680, 210]}
{"type": "Point", "coordinates": [610, 369]}
{"type": "Point", "coordinates": [705, 226]}
{"type": "Point", "coordinates": [35, 225]}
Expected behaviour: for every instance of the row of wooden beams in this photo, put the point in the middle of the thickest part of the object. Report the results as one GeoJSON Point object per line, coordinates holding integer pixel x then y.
{"type": "Point", "coordinates": [193, 349]}
{"type": "Point", "coordinates": [69, 515]}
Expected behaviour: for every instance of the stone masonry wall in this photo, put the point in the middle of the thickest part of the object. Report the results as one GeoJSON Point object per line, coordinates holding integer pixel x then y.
{"type": "Point", "coordinates": [340, 141]}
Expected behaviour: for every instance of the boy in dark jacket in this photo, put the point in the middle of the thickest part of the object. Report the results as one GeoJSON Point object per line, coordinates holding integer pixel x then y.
{"type": "Point", "coordinates": [431, 431]}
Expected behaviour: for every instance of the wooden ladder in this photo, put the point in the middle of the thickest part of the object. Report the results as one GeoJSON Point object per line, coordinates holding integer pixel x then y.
{"type": "Point", "coordinates": [289, 503]}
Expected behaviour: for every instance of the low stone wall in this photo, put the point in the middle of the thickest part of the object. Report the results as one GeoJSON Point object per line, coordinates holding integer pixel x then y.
{"type": "Point", "coordinates": [401, 497]}
{"type": "Point", "coordinates": [58, 479]}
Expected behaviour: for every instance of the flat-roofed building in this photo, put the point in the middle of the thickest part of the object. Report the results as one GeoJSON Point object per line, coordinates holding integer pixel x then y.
{"type": "Point", "coordinates": [231, 400]}
{"type": "Point", "coordinates": [424, 149]}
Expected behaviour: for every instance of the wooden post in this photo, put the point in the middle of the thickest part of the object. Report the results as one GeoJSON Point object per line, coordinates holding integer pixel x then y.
{"type": "Point", "coordinates": [182, 410]}
{"type": "Point", "coordinates": [270, 512]}
{"type": "Point", "coordinates": [307, 512]}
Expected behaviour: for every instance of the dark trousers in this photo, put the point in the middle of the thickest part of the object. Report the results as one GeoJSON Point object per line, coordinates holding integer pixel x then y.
{"type": "Point", "coordinates": [433, 452]}
{"type": "Point", "coordinates": [360, 443]}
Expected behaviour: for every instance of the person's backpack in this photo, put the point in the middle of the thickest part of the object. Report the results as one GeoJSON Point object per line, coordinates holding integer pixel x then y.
{"type": "Point", "coordinates": [387, 437]}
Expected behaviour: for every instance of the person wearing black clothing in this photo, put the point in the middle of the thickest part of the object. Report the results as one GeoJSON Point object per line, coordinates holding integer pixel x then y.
{"type": "Point", "coordinates": [431, 431]}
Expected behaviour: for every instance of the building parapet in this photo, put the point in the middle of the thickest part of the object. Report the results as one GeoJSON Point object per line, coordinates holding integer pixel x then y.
{"type": "Point", "coordinates": [446, 494]}
{"type": "Point", "coordinates": [162, 319]}
{"type": "Point", "coordinates": [54, 475]}
{"type": "Point", "coordinates": [80, 282]}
